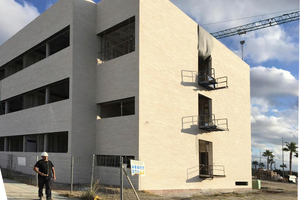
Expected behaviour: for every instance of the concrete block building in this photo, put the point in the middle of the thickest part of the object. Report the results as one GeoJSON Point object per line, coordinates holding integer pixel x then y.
{"type": "Point", "coordinates": [135, 78]}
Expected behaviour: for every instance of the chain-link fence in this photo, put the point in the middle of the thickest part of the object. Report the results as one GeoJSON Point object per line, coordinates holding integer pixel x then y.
{"type": "Point", "coordinates": [77, 173]}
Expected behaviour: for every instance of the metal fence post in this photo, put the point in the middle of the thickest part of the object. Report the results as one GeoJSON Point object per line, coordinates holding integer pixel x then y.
{"type": "Point", "coordinates": [121, 178]}
{"type": "Point", "coordinates": [92, 178]}
{"type": "Point", "coordinates": [37, 175]}
{"type": "Point", "coordinates": [72, 172]}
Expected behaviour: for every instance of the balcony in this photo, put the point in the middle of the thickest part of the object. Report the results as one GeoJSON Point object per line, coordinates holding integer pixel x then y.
{"type": "Point", "coordinates": [207, 80]}
{"type": "Point", "coordinates": [208, 122]}
{"type": "Point", "coordinates": [211, 171]}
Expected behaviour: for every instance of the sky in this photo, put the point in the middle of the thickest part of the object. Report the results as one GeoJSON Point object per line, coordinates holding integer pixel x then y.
{"type": "Point", "coordinates": [271, 53]}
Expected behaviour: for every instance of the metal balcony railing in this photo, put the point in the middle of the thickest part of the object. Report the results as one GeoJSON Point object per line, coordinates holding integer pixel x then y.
{"type": "Point", "coordinates": [207, 80]}
{"type": "Point", "coordinates": [211, 171]}
{"type": "Point", "coordinates": [208, 122]}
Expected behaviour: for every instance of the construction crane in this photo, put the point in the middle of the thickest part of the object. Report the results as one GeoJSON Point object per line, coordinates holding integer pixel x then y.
{"type": "Point", "coordinates": [239, 30]}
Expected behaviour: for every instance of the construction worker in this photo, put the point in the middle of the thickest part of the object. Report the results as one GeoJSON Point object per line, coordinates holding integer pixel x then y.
{"type": "Point", "coordinates": [46, 171]}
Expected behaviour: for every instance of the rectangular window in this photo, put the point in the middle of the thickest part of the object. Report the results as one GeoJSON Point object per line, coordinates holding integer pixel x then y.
{"type": "Point", "coordinates": [57, 142]}
{"type": "Point", "coordinates": [35, 55]}
{"type": "Point", "coordinates": [59, 91]}
{"type": "Point", "coordinates": [34, 143]}
{"type": "Point", "coordinates": [15, 143]}
{"type": "Point", "coordinates": [59, 42]}
{"type": "Point", "coordinates": [15, 104]}
{"type": "Point", "coordinates": [2, 73]}
{"type": "Point", "coordinates": [2, 108]}
{"type": "Point", "coordinates": [118, 40]}
{"type": "Point", "coordinates": [2, 144]}
{"type": "Point", "coordinates": [113, 161]}
{"type": "Point", "coordinates": [35, 98]}
{"type": "Point", "coordinates": [13, 67]}
{"type": "Point", "coordinates": [117, 108]}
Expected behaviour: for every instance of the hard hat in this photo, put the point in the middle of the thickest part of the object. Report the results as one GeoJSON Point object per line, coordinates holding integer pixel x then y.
{"type": "Point", "coordinates": [44, 154]}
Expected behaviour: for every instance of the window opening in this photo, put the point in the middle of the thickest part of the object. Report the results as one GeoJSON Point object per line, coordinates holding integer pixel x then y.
{"type": "Point", "coordinates": [15, 104]}
{"type": "Point", "coordinates": [15, 143]}
{"type": "Point", "coordinates": [34, 143]}
{"type": "Point", "coordinates": [35, 98]}
{"type": "Point", "coordinates": [118, 40]}
{"type": "Point", "coordinates": [204, 111]}
{"type": "Point", "coordinates": [57, 142]}
{"type": "Point", "coordinates": [205, 158]}
{"type": "Point", "coordinates": [117, 108]}
{"type": "Point", "coordinates": [35, 55]}
{"type": "Point", "coordinates": [113, 160]}
{"type": "Point", "coordinates": [14, 67]}
{"type": "Point", "coordinates": [2, 73]}
{"type": "Point", "coordinates": [59, 91]}
{"type": "Point", "coordinates": [60, 42]}
{"type": "Point", "coordinates": [207, 120]}
{"type": "Point", "coordinates": [2, 108]}
{"type": "Point", "coordinates": [2, 144]}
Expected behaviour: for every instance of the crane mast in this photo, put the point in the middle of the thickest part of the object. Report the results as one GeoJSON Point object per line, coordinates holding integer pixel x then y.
{"type": "Point", "coordinates": [239, 30]}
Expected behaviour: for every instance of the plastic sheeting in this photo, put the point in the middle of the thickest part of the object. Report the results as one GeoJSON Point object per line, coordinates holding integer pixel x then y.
{"type": "Point", "coordinates": [205, 43]}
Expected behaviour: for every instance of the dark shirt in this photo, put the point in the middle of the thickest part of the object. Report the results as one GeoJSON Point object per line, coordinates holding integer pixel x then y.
{"type": "Point", "coordinates": [45, 167]}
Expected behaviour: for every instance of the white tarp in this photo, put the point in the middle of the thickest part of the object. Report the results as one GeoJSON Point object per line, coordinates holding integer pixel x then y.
{"type": "Point", "coordinates": [2, 188]}
{"type": "Point", "coordinates": [205, 43]}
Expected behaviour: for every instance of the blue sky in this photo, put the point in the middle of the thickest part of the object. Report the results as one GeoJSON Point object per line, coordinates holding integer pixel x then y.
{"type": "Point", "coordinates": [272, 54]}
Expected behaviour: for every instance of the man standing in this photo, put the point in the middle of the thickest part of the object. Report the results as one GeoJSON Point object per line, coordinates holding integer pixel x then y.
{"type": "Point", "coordinates": [45, 169]}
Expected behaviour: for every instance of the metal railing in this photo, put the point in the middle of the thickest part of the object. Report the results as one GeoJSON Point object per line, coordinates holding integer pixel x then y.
{"type": "Point", "coordinates": [209, 122]}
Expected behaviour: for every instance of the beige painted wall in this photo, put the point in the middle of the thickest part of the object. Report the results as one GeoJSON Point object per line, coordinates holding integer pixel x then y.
{"type": "Point", "coordinates": [168, 49]}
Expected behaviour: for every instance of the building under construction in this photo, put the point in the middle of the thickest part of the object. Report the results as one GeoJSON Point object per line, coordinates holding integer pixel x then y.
{"type": "Point", "coordinates": [135, 78]}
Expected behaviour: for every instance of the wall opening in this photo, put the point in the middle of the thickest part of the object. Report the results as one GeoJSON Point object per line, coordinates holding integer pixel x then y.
{"type": "Point", "coordinates": [242, 183]}
{"type": "Point", "coordinates": [15, 104]}
{"type": "Point", "coordinates": [2, 73]}
{"type": "Point", "coordinates": [57, 142]}
{"type": "Point", "coordinates": [205, 157]}
{"type": "Point", "coordinates": [112, 160]}
{"type": "Point", "coordinates": [14, 67]}
{"type": "Point", "coordinates": [59, 91]}
{"type": "Point", "coordinates": [35, 98]}
{"type": "Point", "coordinates": [34, 143]}
{"type": "Point", "coordinates": [117, 108]}
{"type": "Point", "coordinates": [118, 40]}
{"type": "Point", "coordinates": [15, 143]}
{"type": "Point", "coordinates": [35, 56]}
{"type": "Point", "coordinates": [60, 42]}
{"type": "Point", "coordinates": [2, 108]}
{"type": "Point", "coordinates": [2, 144]}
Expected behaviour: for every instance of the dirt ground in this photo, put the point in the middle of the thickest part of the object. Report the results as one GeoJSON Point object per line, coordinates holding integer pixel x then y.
{"type": "Point", "coordinates": [270, 190]}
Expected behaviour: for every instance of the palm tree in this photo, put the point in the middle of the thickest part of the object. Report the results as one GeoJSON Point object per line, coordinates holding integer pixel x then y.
{"type": "Point", "coordinates": [292, 148]}
{"type": "Point", "coordinates": [255, 163]}
{"type": "Point", "coordinates": [268, 154]}
{"type": "Point", "coordinates": [271, 163]}
{"type": "Point", "coordinates": [261, 165]}
{"type": "Point", "coordinates": [296, 154]}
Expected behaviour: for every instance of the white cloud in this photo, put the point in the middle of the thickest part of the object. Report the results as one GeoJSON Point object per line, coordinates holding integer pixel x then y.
{"type": "Point", "coordinates": [272, 82]}
{"type": "Point", "coordinates": [14, 16]}
{"type": "Point", "coordinates": [273, 43]}
{"type": "Point", "coordinates": [207, 11]}
{"type": "Point", "coordinates": [267, 44]}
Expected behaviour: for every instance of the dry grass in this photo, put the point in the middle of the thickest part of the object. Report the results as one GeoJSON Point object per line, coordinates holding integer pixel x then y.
{"type": "Point", "coordinates": [274, 191]}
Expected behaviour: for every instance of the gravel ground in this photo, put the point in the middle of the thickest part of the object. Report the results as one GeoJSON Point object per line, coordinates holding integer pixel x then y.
{"type": "Point", "coordinates": [270, 190]}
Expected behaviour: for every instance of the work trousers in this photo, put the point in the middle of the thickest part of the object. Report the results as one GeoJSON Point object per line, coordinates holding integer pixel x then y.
{"type": "Point", "coordinates": [44, 181]}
